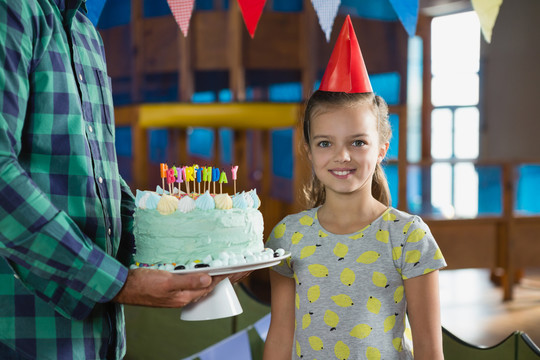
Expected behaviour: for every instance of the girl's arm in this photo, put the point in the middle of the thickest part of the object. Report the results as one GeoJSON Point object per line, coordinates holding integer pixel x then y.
{"type": "Point", "coordinates": [279, 342]}
{"type": "Point", "coordinates": [423, 308]}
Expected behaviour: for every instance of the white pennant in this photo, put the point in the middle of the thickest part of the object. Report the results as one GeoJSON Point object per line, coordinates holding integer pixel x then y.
{"type": "Point", "coordinates": [182, 10]}
{"type": "Point", "coordinates": [262, 325]}
{"type": "Point", "coordinates": [326, 12]}
{"type": "Point", "coordinates": [234, 347]}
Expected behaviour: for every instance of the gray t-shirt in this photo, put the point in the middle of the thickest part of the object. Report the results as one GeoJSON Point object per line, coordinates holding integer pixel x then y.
{"type": "Point", "coordinates": [350, 301]}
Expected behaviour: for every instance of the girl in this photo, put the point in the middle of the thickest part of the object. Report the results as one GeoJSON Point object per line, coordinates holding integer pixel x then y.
{"type": "Point", "coordinates": [357, 265]}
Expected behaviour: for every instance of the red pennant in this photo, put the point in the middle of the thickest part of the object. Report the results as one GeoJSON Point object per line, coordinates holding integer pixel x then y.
{"type": "Point", "coordinates": [251, 12]}
{"type": "Point", "coordinates": [346, 71]}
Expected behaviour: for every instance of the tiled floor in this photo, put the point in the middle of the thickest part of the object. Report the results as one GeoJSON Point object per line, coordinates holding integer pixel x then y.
{"type": "Point", "coordinates": [472, 307]}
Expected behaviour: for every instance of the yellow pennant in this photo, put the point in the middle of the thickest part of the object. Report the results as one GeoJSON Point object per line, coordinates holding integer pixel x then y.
{"type": "Point", "coordinates": [487, 11]}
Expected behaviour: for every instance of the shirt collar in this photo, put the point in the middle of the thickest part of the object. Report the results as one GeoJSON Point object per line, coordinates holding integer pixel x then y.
{"type": "Point", "coordinates": [68, 9]}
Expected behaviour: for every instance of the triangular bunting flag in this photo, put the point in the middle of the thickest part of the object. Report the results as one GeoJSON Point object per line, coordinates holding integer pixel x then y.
{"type": "Point", "coordinates": [326, 12]}
{"type": "Point", "coordinates": [407, 12]}
{"type": "Point", "coordinates": [94, 7]}
{"type": "Point", "coordinates": [346, 71]}
{"type": "Point", "coordinates": [487, 11]}
{"type": "Point", "coordinates": [182, 10]}
{"type": "Point", "coordinates": [262, 325]}
{"type": "Point", "coordinates": [234, 347]}
{"type": "Point", "coordinates": [251, 12]}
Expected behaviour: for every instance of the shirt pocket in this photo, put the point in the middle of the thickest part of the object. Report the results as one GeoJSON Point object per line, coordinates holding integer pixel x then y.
{"type": "Point", "coordinates": [107, 108]}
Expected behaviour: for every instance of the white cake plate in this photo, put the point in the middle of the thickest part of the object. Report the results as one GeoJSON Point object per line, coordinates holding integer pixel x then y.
{"type": "Point", "coordinates": [222, 301]}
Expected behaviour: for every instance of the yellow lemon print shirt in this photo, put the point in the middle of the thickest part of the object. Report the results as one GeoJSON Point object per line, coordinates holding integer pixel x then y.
{"type": "Point", "coordinates": [350, 301]}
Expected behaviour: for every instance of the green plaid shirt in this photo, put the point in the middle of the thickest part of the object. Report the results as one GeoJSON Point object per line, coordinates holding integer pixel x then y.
{"type": "Point", "coordinates": [65, 212]}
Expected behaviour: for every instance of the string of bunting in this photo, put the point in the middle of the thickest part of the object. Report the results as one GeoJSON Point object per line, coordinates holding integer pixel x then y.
{"type": "Point", "coordinates": [406, 11]}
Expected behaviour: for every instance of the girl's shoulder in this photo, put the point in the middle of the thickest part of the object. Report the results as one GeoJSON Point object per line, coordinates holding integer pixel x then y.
{"type": "Point", "coordinates": [401, 220]}
{"type": "Point", "coordinates": [306, 216]}
{"type": "Point", "coordinates": [402, 215]}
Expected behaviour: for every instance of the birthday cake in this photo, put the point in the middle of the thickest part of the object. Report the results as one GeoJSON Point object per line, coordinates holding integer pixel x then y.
{"type": "Point", "coordinates": [176, 230]}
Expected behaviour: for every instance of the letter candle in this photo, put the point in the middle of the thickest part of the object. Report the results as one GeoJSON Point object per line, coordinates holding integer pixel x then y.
{"type": "Point", "coordinates": [215, 177]}
{"type": "Point", "coordinates": [194, 179]}
{"type": "Point", "coordinates": [234, 170]}
{"type": "Point", "coordinates": [175, 175]}
{"type": "Point", "coordinates": [222, 179]}
{"type": "Point", "coordinates": [170, 179]}
{"type": "Point", "coordinates": [163, 172]}
{"type": "Point", "coordinates": [179, 178]}
{"type": "Point", "coordinates": [207, 176]}
{"type": "Point", "coordinates": [188, 175]}
{"type": "Point", "coordinates": [199, 178]}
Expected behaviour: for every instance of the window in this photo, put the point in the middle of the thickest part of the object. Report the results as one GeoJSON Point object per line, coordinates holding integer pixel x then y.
{"type": "Point", "coordinates": [455, 64]}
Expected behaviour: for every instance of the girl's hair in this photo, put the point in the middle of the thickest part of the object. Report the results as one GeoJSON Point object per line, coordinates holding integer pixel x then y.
{"type": "Point", "coordinates": [320, 102]}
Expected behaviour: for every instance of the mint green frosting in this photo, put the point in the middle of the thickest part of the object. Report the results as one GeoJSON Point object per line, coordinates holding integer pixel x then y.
{"type": "Point", "coordinates": [182, 238]}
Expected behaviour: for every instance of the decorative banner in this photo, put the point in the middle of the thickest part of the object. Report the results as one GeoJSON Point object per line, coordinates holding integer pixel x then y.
{"type": "Point", "coordinates": [487, 11]}
{"type": "Point", "coordinates": [94, 8]}
{"type": "Point", "coordinates": [234, 347]}
{"type": "Point", "coordinates": [326, 12]}
{"type": "Point", "coordinates": [251, 12]}
{"type": "Point", "coordinates": [182, 10]}
{"type": "Point", "coordinates": [262, 325]}
{"type": "Point", "coordinates": [407, 12]}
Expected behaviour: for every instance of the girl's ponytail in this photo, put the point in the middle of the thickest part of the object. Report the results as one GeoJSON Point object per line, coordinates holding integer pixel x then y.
{"type": "Point", "coordinates": [379, 186]}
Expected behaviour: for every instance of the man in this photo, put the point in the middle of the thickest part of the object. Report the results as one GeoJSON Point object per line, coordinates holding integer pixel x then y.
{"type": "Point", "coordinates": [65, 212]}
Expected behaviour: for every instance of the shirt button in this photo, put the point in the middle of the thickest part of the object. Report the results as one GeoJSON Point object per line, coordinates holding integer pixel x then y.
{"type": "Point", "coordinates": [90, 128]}
{"type": "Point", "coordinates": [109, 231]}
{"type": "Point", "coordinates": [100, 179]}
{"type": "Point", "coordinates": [80, 76]}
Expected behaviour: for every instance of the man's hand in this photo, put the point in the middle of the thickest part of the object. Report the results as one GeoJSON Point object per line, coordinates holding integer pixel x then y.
{"type": "Point", "coordinates": [238, 277]}
{"type": "Point", "coordinates": [157, 288]}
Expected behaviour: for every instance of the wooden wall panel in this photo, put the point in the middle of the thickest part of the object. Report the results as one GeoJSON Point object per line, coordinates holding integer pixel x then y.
{"type": "Point", "coordinates": [117, 43]}
{"type": "Point", "coordinates": [466, 244]}
{"type": "Point", "coordinates": [212, 40]}
{"type": "Point", "coordinates": [526, 244]}
{"type": "Point", "coordinates": [160, 45]}
{"type": "Point", "coordinates": [276, 42]}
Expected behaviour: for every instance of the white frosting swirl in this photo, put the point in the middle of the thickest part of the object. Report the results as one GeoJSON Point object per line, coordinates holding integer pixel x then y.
{"type": "Point", "coordinates": [248, 198]}
{"type": "Point", "coordinates": [205, 202]}
{"type": "Point", "coordinates": [186, 204]}
{"type": "Point", "coordinates": [255, 197]}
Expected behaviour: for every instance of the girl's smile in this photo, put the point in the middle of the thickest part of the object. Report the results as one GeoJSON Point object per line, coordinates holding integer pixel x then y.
{"type": "Point", "coordinates": [342, 173]}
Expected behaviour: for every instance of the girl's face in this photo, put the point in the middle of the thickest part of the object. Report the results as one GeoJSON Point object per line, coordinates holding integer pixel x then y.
{"type": "Point", "coordinates": [344, 148]}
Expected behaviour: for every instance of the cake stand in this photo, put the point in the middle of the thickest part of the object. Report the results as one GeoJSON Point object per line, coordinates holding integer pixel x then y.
{"type": "Point", "coordinates": [222, 301]}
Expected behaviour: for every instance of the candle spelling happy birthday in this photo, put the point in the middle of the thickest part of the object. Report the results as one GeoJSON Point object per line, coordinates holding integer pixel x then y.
{"type": "Point", "coordinates": [186, 174]}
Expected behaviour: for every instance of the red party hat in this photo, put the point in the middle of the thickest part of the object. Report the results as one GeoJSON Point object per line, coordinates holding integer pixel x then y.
{"type": "Point", "coordinates": [346, 71]}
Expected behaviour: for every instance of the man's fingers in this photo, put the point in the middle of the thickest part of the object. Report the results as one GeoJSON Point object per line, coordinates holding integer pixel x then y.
{"type": "Point", "coordinates": [190, 281]}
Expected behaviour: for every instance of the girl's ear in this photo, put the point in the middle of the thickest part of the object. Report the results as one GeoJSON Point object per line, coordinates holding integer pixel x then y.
{"type": "Point", "coordinates": [382, 152]}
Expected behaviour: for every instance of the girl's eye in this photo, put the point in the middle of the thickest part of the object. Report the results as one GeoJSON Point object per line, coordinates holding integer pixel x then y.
{"type": "Point", "coordinates": [323, 144]}
{"type": "Point", "coordinates": [358, 143]}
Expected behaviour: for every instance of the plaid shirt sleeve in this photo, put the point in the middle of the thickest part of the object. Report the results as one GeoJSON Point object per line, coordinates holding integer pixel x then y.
{"type": "Point", "coordinates": [59, 227]}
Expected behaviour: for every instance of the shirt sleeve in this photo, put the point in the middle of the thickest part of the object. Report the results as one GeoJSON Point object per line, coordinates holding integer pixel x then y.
{"type": "Point", "coordinates": [43, 245]}
{"type": "Point", "coordinates": [280, 237]}
{"type": "Point", "coordinates": [127, 241]}
{"type": "Point", "coordinates": [420, 253]}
